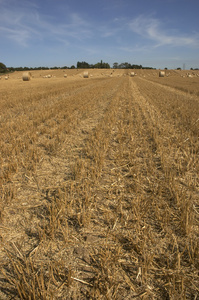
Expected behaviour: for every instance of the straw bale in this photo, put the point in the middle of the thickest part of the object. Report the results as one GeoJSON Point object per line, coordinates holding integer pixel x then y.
{"type": "Point", "coordinates": [161, 74]}
{"type": "Point", "coordinates": [26, 76]}
{"type": "Point", "coordinates": [86, 75]}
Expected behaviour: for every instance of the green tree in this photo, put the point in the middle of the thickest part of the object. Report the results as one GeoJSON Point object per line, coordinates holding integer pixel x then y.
{"type": "Point", "coordinates": [101, 65]}
{"type": "Point", "coordinates": [3, 68]}
{"type": "Point", "coordinates": [83, 65]}
{"type": "Point", "coordinates": [125, 65]}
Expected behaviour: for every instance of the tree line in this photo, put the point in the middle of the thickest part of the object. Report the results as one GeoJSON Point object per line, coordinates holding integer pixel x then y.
{"type": "Point", "coordinates": [99, 65]}
{"type": "Point", "coordinates": [126, 65]}
{"type": "Point", "coordinates": [80, 65]}
{"type": "Point", "coordinates": [4, 69]}
{"type": "Point", "coordinates": [102, 65]}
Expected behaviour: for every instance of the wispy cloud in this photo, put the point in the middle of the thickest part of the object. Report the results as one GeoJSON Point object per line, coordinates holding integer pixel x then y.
{"type": "Point", "coordinates": [75, 27]}
{"type": "Point", "coordinates": [153, 29]}
{"type": "Point", "coordinates": [18, 25]}
{"type": "Point", "coordinates": [134, 48]}
{"type": "Point", "coordinates": [112, 28]}
{"type": "Point", "coordinates": [19, 36]}
{"type": "Point", "coordinates": [23, 26]}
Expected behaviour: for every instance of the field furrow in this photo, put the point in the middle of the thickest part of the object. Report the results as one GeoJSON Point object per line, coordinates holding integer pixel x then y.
{"type": "Point", "coordinates": [99, 188]}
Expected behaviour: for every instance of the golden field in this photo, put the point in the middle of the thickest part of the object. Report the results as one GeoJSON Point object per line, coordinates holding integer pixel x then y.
{"type": "Point", "coordinates": [99, 185]}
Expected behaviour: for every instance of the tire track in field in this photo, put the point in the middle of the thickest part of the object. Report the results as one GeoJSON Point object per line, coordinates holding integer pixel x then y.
{"type": "Point", "coordinates": [173, 202]}
{"type": "Point", "coordinates": [170, 89]}
{"type": "Point", "coordinates": [158, 165]}
{"type": "Point", "coordinates": [176, 158]}
{"type": "Point", "coordinates": [177, 140]}
{"type": "Point", "coordinates": [174, 105]}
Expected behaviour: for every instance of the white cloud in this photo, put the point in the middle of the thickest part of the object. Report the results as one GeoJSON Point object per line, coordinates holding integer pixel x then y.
{"type": "Point", "coordinates": [153, 29]}
{"type": "Point", "coordinates": [134, 48]}
{"type": "Point", "coordinates": [17, 35]}
{"type": "Point", "coordinates": [74, 27]}
{"type": "Point", "coordinates": [26, 24]}
{"type": "Point", "coordinates": [17, 24]}
{"type": "Point", "coordinates": [112, 28]}
{"type": "Point", "coordinates": [107, 32]}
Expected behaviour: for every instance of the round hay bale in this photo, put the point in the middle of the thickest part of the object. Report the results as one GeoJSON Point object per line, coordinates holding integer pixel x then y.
{"type": "Point", "coordinates": [161, 73]}
{"type": "Point", "coordinates": [86, 75]}
{"type": "Point", "coordinates": [132, 74]}
{"type": "Point", "coordinates": [6, 77]}
{"type": "Point", "coordinates": [65, 75]}
{"type": "Point", "coordinates": [26, 76]}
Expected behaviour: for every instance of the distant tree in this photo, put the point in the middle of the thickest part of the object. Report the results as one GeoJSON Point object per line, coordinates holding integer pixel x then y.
{"type": "Point", "coordinates": [115, 65]}
{"type": "Point", "coordinates": [97, 66]}
{"type": "Point", "coordinates": [178, 69]}
{"type": "Point", "coordinates": [105, 66]}
{"type": "Point", "coordinates": [19, 69]}
{"type": "Point", "coordinates": [101, 65]}
{"type": "Point", "coordinates": [44, 68]}
{"type": "Point", "coordinates": [11, 69]}
{"type": "Point", "coordinates": [136, 67]}
{"type": "Point", "coordinates": [83, 65]}
{"type": "Point", "coordinates": [72, 67]}
{"type": "Point", "coordinates": [3, 68]}
{"type": "Point", "coordinates": [125, 65]}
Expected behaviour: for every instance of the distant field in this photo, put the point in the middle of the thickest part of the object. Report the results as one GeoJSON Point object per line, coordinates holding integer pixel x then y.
{"type": "Point", "coordinates": [99, 185]}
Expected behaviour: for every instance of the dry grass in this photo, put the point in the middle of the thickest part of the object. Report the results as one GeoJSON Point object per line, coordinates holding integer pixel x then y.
{"type": "Point", "coordinates": [175, 79]}
{"type": "Point", "coordinates": [99, 189]}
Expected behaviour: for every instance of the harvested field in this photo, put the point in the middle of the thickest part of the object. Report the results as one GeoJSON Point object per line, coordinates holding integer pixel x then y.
{"type": "Point", "coordinates": [99, 186]}
{"type": "Point", "coordinates": [175, 79]}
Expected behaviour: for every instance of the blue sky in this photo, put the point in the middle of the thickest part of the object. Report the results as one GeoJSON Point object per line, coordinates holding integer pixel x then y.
{"type": "Point", "coordinates": [153, 33]}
